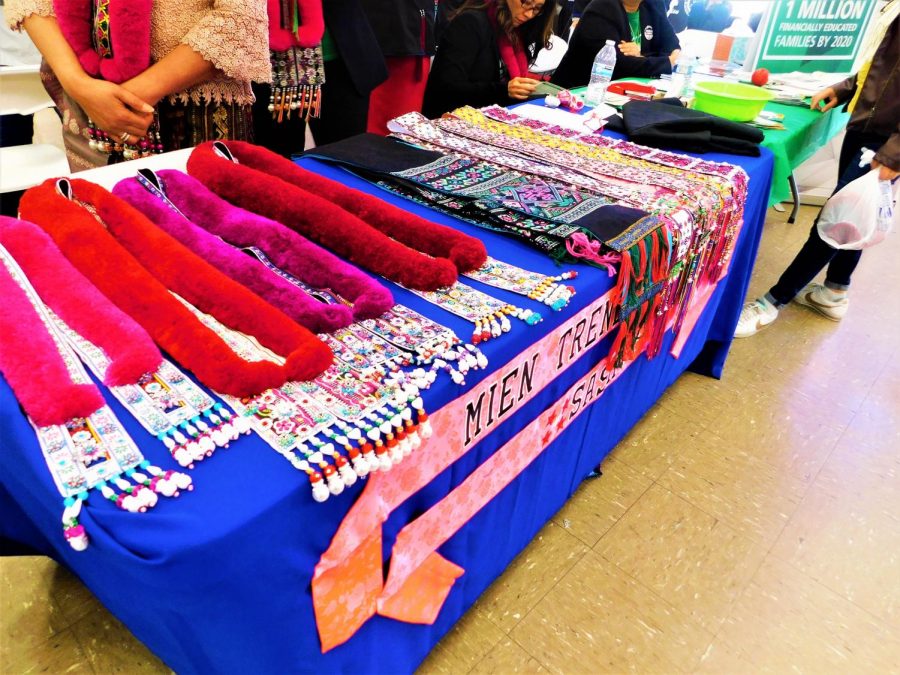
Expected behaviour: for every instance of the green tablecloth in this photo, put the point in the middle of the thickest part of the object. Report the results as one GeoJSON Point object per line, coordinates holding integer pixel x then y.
{"type": "Point", "coordinates": [805, 132]}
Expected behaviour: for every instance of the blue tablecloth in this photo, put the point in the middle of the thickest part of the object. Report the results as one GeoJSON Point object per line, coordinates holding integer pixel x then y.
{"type": "Point", "coordinates": [219, 579]}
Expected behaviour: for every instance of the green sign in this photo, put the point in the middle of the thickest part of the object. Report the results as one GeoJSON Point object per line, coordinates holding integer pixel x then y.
{"type": "Point", "coordinates": [810, 35]}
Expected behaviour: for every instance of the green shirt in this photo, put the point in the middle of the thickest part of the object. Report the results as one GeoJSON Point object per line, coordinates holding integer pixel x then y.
{"type": "Point", "coordinates": [329, 49]}
{"type": "Point", "coordinates": [634, 22]}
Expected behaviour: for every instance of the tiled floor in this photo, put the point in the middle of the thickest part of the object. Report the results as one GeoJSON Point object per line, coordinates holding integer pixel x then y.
{"type": "Point", "coordinates": [745, 525]}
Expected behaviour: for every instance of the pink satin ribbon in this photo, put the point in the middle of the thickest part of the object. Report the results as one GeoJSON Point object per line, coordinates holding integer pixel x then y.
{"type": "Point", "coordinates": [348, 579]}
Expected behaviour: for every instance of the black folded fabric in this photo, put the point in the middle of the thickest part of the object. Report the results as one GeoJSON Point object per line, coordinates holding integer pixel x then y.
{"type": "Point", "coordinates": [479, 192]}
{"type": "Point", "coordinates": [372, 152]}
{"type": "Point", "coordinates": [667, 124]}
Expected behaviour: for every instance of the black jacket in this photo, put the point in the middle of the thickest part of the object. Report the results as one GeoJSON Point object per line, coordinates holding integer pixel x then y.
{"type": "Point", "coordinates": [667, 124]}
{"type": "Point", "coordinates": [606, 20]}
{"type": "Point", "coordinates": [356, 43]}
{"type": "Point", "coordinates": [467, 69]}
{"type": "Point", "coordinates": [403, 27]}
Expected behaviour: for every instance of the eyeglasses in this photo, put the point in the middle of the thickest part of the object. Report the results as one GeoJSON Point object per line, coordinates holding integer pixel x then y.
{"type": "Point", "coordinates": [533, 7]}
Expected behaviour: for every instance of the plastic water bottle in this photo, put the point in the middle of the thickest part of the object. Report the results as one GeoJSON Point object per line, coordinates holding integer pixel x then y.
{"type": "Point", "coordinates": [601, 74]}
{"type": "Point", "coordinates": [682, 78]}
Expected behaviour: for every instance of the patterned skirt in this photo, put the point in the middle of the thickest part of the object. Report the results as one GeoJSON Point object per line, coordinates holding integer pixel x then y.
{"type": "Point", "coordinates": [181, 124]}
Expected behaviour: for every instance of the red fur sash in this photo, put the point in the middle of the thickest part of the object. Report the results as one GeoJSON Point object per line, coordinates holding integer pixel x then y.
{"type": "Point", "coordinates": [138, 267]}
{"type": "Point", "coordinates": [127, 30]}
{"type": "Point", "coordinates": [361, 228]}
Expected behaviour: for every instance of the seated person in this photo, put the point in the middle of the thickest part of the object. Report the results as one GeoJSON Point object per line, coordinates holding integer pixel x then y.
{"type": "Point", "coordinates": [484, 53]}
{"type": "Point", "coordinates": [646, 44]}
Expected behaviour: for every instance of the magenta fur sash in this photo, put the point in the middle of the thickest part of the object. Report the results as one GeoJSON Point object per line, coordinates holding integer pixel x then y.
{"type": "Point", "coordinates": [128, 34]}
{"type": "Point", "coordinates": [80, 304]}
{"type": "Point", "coordinates": [203, 220]}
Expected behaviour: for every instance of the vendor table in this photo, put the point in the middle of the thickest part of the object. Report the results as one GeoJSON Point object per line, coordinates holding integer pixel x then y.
{"type": "Point", "coordinates": [805, 132]}
{"type": "Point", "coordinates": [219, 580]}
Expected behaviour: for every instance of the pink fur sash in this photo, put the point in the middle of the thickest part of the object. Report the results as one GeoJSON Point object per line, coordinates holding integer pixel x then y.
{"type": "Point", "coordinates": [29, 357]}
{"type": "Point", "coordinates": [122, 33]}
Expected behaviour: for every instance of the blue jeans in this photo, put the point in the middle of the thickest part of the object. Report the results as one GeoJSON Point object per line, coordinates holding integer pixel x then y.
{"type": "Point", "coordinates": [815, 253]}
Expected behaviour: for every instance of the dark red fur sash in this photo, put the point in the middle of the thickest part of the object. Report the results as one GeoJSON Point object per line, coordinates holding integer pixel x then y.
{"type": "Point", "coordinates": [363, 229]}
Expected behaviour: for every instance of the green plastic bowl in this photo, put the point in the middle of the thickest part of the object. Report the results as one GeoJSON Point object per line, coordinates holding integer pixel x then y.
{"type": "Point", "coordinates": [731, 100]}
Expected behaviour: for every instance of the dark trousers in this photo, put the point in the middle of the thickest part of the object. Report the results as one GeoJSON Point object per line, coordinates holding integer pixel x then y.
{"type": "Point", "coordinates": [345, 112]}
{"type": "Point", "coordinates": [816, 254]}
{"type": "Point", "coordinates": [287, 137]}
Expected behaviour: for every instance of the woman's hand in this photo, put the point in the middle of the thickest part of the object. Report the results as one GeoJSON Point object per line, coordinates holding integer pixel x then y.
{"type": "Point", "coordinates": [520, 88]}
{"type": "Point", "coordinates": [629, 48]}
{"type": "Point", "coordinates": [112, 108]}
{"type": "Point", "coordinates": [828, 95]}
{"type": "Point", "coordinates": [673, 57]}
{"type": "Point", "coordinates": [884, 172]}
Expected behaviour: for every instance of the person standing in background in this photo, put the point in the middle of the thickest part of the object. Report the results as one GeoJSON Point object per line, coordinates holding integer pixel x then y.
{"type": "Point", "coordinates": [354, 66]}
{"type": "Point", "coordinates": [405, 30]}
{"type": "Point", "coordinates": [873, 99]}
{"type": "Point", "coordinates": [130, 77]}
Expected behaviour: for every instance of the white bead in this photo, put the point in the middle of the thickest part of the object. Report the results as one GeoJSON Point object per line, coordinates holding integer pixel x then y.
{"type": "Point", "coordinates": [335, 485]}
{"type": "Point", "coordinates": [79, 543]}
{"type": "Point", "coordinates": [347, 475]}
{"type": "Point", "coordinates": [361, 466]}
{"type": "Point", "coordinates": [182, 480]}
{"type": "Point", "coordinates": [320, 492]}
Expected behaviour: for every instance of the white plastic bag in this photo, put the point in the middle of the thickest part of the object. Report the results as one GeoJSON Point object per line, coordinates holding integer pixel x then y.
{"type": "Point", "coordinates": [860, 214]}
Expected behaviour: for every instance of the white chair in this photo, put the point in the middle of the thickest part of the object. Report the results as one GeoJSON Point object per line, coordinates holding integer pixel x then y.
{"type": "Point", "coordinates": [23, 166]}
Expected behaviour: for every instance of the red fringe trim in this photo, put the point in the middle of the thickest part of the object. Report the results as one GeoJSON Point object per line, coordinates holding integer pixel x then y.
{"type": "Point", "coordinates": [115, 267]}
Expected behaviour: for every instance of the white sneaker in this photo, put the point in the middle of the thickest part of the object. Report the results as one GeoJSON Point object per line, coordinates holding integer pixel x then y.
{"type": "Point", "coordinates": [755, 316]}
{"type": "Point", "coordinates": [826, 302]}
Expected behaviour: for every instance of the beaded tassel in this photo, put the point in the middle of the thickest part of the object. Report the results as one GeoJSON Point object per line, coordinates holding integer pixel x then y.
{"type": "Point", "coordinates": [73, 531]}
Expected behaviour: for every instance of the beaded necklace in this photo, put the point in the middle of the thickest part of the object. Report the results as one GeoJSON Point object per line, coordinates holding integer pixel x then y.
{"type": "Point", "coordinates": [374, 418]}
{"type": "Point", "coordinates": [489, 315]}
{"type": "Point", "coordinates": [118, 351]}
{"type": "Point", "coordinates": [421, 341]}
